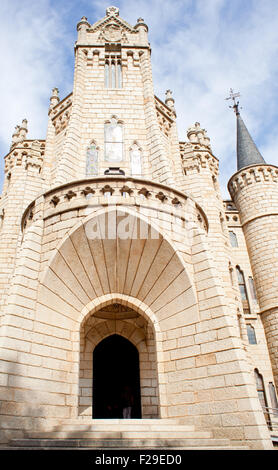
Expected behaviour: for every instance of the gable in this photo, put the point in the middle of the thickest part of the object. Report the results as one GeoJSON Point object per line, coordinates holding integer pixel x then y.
{"type": "Point", "coordinates": [112, 22]}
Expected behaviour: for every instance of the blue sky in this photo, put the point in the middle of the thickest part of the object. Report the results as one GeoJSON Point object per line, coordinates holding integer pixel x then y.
{"type": "Point", "coordinates": [200, 49]}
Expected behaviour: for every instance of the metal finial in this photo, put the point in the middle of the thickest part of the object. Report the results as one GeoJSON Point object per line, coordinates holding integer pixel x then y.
{"type": "Point", "coordinates": [233, 97]}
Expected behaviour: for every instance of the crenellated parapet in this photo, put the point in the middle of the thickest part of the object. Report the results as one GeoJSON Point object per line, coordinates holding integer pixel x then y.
{"type": "Point", "coordinates": [25, 154]}
{"type": "Point", "coordinates": [197, 159]}
{"type": "Point", "coordinates": [252, 175]}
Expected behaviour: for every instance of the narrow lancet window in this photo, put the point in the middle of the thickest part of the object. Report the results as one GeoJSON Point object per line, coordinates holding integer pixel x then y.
{"type": "Point", "coordinates": [119, 74]}
{"type": "Point", "coordinates": [92, 160]}
{"type": "Point", "coordinates": [106, 72]}
{"type": "Point", "coordinates": [251, 334]}
{"type": "Point", "coordinates": [262, 395]}
{"type": "Point", "coordinates": [113, 135]}
{"type": "Point", "coordinates": [252, 288]}
{"type": "Point", "coordinates": [241, 283]}
{"type": "Point", "coordinates": [135, 160]}
{"type": "Point", "coordinates": [233, 239]}
{"type": "Point", "coordinates": [113, 73]}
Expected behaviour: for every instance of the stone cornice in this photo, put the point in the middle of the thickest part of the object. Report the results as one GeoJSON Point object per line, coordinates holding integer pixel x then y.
{"type": "Point", "coordinates": [90, 191]}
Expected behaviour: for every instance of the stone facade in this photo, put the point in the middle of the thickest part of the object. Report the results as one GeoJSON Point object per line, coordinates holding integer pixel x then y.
{"type": "Point", "coordinates": [111, 226]}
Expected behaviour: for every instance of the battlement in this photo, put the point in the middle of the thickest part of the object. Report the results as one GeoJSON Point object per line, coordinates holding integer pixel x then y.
{"type": "Point", "coordinates": [25, 154]}
{"type": "Point", "coordinates": [252, 175]}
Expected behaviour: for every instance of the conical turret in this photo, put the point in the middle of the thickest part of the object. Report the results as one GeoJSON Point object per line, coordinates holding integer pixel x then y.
{"type": "Point", "coordinates": [247, 151]}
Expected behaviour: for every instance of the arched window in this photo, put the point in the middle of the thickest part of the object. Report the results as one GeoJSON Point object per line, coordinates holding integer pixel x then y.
{"type": "Point", "coordinates": [113, 72]}
{"type": "Point", "coordinates": [233, 239]}
{"type": "Point", "coordinates": [251, 334]}
{"type": "Point", "coordinates": [106, 75]}
{"type": "Point", "coordinates": [262, 395]}
{"type": "Point", "coordinates": [92, 160]}
{"type": "Point", "coordinates": [119, 74]}
{"type": "Point", "coordinates": [241, 283]}
{"type": "Point", "coordinates": [273, 398]}
{"type": "Point", "coordinates": [252, 288]}
{"type": "Point", "coordinates": [113, 75]}
{"type": "Point", "coordinates": [113, 137]}
{"type": "Point", "coordinates": [243, 290]}
{"type": "Point", "coordinates": [135, 160]}
{"type": "Point", "coordinates": [231, 272]}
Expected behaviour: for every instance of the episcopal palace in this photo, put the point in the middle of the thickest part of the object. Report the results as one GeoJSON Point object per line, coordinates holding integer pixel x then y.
{"type": "Point", "coordinates": [137, 307]}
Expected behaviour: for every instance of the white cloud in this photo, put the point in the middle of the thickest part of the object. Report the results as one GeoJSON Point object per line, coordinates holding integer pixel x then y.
{"type": "Point", "coordinates": [200, 49]}
{"type": "Point", "coordinates": [33, 59]}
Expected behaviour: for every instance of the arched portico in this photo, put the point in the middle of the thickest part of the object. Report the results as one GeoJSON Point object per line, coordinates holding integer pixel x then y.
{"type": "Point", "coordinates": [139, 268]}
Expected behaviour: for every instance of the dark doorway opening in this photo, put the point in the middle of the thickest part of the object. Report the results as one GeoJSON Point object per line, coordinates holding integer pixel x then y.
{"type": "Point", "coordinates": [115, 370]}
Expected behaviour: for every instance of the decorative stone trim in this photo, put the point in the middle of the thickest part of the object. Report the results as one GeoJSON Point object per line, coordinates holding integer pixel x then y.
{"type": "Point", "coordinates": [251, 175]}
{"type": "Point", "coordinates": [29, 152]}
{"type": "Point", "coordinates": [196, 161]}
{"type": "Point", "coordinates": [74, 196]}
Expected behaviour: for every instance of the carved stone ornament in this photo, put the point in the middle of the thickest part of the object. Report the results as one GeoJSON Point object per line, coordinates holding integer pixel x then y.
{"type": "Point", "coordinates": [112, 11]}
{"type": "Point", "coordinates": [112, 33]}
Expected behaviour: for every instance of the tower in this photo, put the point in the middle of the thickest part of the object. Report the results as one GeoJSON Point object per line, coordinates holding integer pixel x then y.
{"type": "Point", "coordinates": [254, 191]}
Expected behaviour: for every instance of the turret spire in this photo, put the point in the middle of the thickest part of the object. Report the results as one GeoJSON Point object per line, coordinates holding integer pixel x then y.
{"type": "Point", "coordinates": [247, 151]}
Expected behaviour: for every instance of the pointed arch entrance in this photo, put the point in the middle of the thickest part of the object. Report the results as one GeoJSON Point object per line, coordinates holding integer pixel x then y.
{"type": "Point", "coordinates": [116, 378]}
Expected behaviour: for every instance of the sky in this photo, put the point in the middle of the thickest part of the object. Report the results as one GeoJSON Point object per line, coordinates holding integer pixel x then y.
{"type": "Point", "coordinates": [200, 49]}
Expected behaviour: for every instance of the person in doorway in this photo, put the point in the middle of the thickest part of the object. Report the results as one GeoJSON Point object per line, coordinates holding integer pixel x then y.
{"type": "Point", "coordinates": [127, 402]}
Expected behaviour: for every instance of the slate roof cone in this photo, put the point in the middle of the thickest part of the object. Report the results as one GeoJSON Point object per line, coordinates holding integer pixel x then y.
{"type": "Point", "coordinates": [247, 151]}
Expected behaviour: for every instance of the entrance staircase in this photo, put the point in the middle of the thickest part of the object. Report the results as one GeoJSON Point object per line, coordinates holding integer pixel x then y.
{"type": "Point", "coordinates": [122, 434]}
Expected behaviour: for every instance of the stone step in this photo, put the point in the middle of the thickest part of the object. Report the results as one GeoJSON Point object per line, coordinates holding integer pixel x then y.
{"type": "Point", "coordinates": [121, 443]}
{"type": "Point", "coordinates": [121, 434]}
{"type": "Point", "coordinates": [117, 422]}
{"type": "Point", "coordinates": [120, 427]}
{"type": "Point", "coordinates": [126, 448]}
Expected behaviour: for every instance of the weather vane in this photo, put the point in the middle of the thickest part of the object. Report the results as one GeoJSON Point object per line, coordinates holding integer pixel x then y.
{"type": "Point", "coordinates": [233, 97]}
